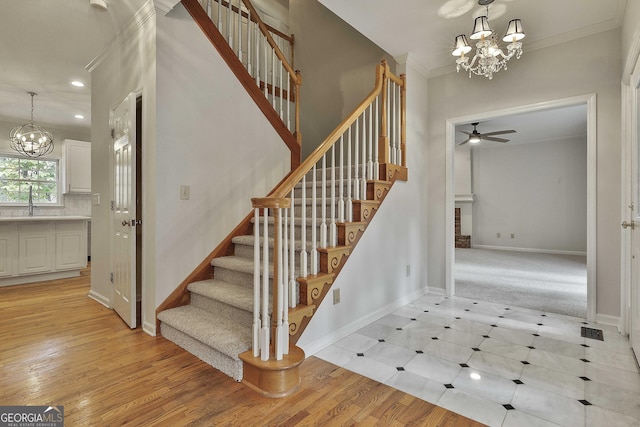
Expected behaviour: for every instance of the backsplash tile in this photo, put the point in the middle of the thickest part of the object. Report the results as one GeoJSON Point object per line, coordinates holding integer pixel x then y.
{"type": "Point", "coordinates": [74, 204]}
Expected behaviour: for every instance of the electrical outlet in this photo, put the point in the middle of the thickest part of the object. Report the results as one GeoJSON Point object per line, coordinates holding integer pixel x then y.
{"type": "Point", "coordinates": [498, 235]}
{"type": "Point", "coordinates": [336, 296]}
{"type": "Point", "coordinates": [185, 192]}
{"type": "Point", "coordinates": [408, 270]}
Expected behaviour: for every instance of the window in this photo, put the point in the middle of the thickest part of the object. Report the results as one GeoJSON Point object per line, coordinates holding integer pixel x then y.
{"type": "Point", "coordinates": [17, 174]}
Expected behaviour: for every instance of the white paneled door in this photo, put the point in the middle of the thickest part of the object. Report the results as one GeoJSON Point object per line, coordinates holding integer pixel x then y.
{"type": "Point", "coordinates": [634, 224]}
{"type": "Point", "coordinates": [123, 240]}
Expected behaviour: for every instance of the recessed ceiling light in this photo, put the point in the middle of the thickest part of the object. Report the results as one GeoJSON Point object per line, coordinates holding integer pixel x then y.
{"type": "Point", "coordinates": [77, 83]}
{"type": "Point", "coordinates": [79, 116]}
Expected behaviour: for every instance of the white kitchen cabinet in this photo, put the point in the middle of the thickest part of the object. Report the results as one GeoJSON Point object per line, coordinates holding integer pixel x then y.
{"type": "Point", "coordinates": [76, 166]}
{"type": "Point", "coordinates": [36, 247]}
{"type": "Point", "coordinates": [71, 245]}
{"type": "Point", "coordinates": [42, 248]}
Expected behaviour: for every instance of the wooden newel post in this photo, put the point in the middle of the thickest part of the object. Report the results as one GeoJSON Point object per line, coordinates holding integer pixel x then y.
{"type": "Point", "coordinates": [383, 139]}
{"type": "Point", "coordinates": [403, 119]}
{"type": "Point", "coordinates": [276, 204]}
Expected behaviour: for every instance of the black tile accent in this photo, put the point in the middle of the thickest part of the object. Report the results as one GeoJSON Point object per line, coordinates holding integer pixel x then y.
{"type": "Point", "coordinates": [486, 336]}
{"type": "Point", "coordinates": [585, 378]}
{"type": "Point", "coordinates": [466, 309]}
{"type": "Point", "coordinates": [475, 302]}
{"type": "Point", "coordinates": [476, 349]}
{"type": "Point", "coordinates": [437, 303]}
{"type": "Point", "coordinates": [584, 345]}
{"type": "Point", "coordinates": [518, 382]}
{"type": "Point", "coordinates": [539, 324]}
{"type": "Point", "coordinates": [524, 362]}
{"type": "Point", "coordinates": [458, 318]}
{"type": "Point", "coordinates": [585, 402]}
{"type": "Point", "coordinates": [585, 323]}
{"type": "Point", "coordinates": [449, 386]}
{"type": "Point", "coordinates": [447, 327]}
{"type": "Point", "coordinates": [507, 308]}
{"type": "Point", "coordinates": [360, 354]}
{"type": "Point", "coordinates": [543, 315]}
{"type": "Point", "coordinates": [464, 365]}
{"type": "Point", "coordinates": [400, 368]}
{"type": "Point", "coordinates": [531, 347]}
{"type": "Point", "coordinates": [426, 311]}
{"type": "Point", "coordinates": [586, 360]}
{"type": "Point", "coordinates": [398, 329]}
{"type": "Point", "coordinates": [508, 407]}
{"type": "Point", "coordinates": [413, 318]}
{"type": "Point", "coordinates": [434, 338]}
{"type": "Point", "coordinates": [380, 340]}
{"type": "Point", "coordinates": [419, 351]}
{"type": "Point", "coordinates": [495, 326]}
{"type": "Point", "coordinates": [535, 335]}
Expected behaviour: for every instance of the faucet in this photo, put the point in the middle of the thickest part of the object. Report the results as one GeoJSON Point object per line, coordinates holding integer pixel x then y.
{"type": "Point", "coordinates": [30, 200]}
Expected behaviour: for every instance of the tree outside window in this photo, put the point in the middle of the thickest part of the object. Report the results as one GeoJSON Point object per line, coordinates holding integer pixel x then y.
{"type": "Point", "coordinates": [17, 174]}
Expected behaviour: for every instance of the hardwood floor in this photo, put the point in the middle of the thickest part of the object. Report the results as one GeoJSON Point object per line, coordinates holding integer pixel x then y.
{"type": "Point", "coordinates": [59, 347]}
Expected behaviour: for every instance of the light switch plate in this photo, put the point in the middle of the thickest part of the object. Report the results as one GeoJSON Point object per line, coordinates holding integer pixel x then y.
{"type": "Point", "coordinates": [185, 192]}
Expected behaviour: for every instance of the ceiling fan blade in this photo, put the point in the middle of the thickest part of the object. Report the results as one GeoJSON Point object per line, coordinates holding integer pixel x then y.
{"type": "Point", "coordinates": [499, 132]}
{"type": "Point", "coordinates": [464, 142]}
{"type": "Point", "coordinates": [465, 132]}
{"type": "Point", "coordinates": [493, 138]}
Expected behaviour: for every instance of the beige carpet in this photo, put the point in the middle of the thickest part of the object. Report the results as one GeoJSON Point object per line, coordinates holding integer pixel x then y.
{"type": "Point", "coordinates": [545, 282]}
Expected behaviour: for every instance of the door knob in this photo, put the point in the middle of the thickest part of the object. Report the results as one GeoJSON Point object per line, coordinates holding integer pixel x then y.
{"type": "Point", "coordinates": [127, 222]}
{"type": "Point", "coordinates": [630, 224]}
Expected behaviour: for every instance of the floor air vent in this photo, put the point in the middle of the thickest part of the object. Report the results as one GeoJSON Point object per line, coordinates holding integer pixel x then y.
{"type": "Point", "coordinates": [592, 333]}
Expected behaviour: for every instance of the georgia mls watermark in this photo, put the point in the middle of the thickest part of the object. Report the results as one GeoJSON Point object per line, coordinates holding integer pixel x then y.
{"type": "Point", "coordinates": [31, 416]}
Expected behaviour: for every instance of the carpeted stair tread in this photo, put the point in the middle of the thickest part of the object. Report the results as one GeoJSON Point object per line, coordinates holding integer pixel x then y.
{"type": "Point", "coordinates": [248, 241]}
{"type": "Point", "coordinates": [228, 293]}
{"type": "Point", "coordinates": [239, 264]}
{"type": "Point", "coordinates": [215, 331]}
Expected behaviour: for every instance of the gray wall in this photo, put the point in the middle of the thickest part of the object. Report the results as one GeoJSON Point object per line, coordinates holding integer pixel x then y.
{"type": "Point", "coordinates": [579, 67]}
{"type": "Point", "coordinates": [337, 65]}
{"type": "Point", "coordinates": [535, 191]}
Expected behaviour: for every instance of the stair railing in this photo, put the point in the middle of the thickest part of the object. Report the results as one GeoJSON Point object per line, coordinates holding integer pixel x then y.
{"type": "Point", "coordinates": [370, 139]}
{"type": "Point", "coordinates": [260, 49]}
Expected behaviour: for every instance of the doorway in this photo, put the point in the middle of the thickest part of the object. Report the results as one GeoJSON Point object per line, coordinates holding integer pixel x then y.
{"type": "Point", "coordinates": [589, 101]}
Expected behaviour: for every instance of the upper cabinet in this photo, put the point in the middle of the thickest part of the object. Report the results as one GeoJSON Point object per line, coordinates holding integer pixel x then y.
{"type": "Point", "coordinates": [76, 166]}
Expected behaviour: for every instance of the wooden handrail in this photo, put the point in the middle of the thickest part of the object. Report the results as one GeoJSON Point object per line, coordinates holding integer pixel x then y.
{"type": "Point", "coordinates": [272, 43]}
{"type": "Point", "coordinates": [285, 188]}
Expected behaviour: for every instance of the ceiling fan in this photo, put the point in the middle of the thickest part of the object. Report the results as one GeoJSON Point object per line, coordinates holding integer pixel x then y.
{"type": "Point", "coordinates": [475, 136]}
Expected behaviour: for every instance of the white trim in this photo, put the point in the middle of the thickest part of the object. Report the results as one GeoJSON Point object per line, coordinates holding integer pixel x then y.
{"type": "Point", "coordinates": [534, 250]}
{"type": "Point", "coordinates": [31, 278]}
{"type": "Point", "coordinates": [99, 298]}
{"type": "Point", "coordinates": [605, 319]}
{"type": "Point", "coordinates": [149, 328]}
{"type": "Point", "coordinates": [590, 101]}
{"type": "Point", "coordinates": [165, 6]}
{"type": "Point", "coordinates": [465, 198]}
{"type": "Point", "coordinates": [626, 198]}
{"type": "Point", "coordinates": [436, 291]}
{"type": "Point", "coordinates": [347, 330]}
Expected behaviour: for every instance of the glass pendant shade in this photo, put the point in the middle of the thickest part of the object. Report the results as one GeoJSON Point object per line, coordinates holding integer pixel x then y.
{"type": "Point", "coordinates": [461, 46]}
{"type": "Point", "coordinates": [481, 28]}
{"type": "Point", "coordinates": [515, 32]}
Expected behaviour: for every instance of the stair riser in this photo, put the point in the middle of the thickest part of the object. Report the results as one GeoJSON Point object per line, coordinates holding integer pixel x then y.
{"type": "Point", "coordinates": [218, 360]}
{"type": "Point", "coordinates": [236, 314]}
{"type": "Point", "coordinates": [246, 251]}
{"type": "Point", "coordinates": [308, 193]}
{"type": "Point", "coordinates": [239, 278]}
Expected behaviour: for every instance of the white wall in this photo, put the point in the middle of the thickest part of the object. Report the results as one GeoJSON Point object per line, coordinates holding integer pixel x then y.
{"type": "Point", "coordinates": [535, 191]}
{"type": "Point", "coordinates": [337, 65]}
{"type": "Point", "coordinates": [579, 67]}
{"type": "Point", "coordinates": [210, 136]}
{"type": "Point", "coordinates": [374, 280]}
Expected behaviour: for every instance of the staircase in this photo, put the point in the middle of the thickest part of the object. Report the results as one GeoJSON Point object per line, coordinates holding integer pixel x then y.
{"type": "Point", "coordinates": [245, 308]}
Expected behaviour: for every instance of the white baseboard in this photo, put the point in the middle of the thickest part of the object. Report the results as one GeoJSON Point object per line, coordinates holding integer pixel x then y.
{"type": "Point", "coordinates": [99, 298]}
{"type": "Point", "coordinates": [542, 251]}
{"type": "Point", "coordinates": [149, 328]}
{"type": "Point", "coordinates": [437, 291]}
{"type": "Point", "coordinates": [608, 320]}
{"type": "Point", "coordinates": [347, 330]}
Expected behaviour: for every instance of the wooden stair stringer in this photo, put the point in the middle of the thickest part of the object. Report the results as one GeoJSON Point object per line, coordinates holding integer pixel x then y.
{"type": "Point", "coordinates": [294, 337]}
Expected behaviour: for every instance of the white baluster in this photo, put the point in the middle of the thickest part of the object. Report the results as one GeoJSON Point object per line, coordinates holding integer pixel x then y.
{"type": "Point", "coordinates": [220, 16]}
{"type": "Point", "coordinates": [314, 225]}
{"type": "Point", "coordinates": [323, 225]}
{"type": "Point", "coordinates": [279, 284]}
{"type": "Point", "coordinates": [399, 127]}
{"type": "Point", "coordinates": [303, 210]}
{"type": "Point", "coordinates": [273, 78]}
{"type": "Point", "coordinates": [333, 229]}
{"type": "Point", "coordinates": [209, 10]}
{"type": "Point", "coordinates": [349, 183]}
{"type": "Point", "coordinates": [256, 282]}
{"type": "Point", "coordinates": [370, 174]}
{"type": "Point", "coordinates": [356, 180]}
{"type": "Point", "coordinates": [265, 336]}
{"type": "Point", "coordinates": [265, 65]}
{"type": "Point", "coordinates": [393, 124]}
{"type": "Point", "coordinates": [280, 88]}
{"type": "Point", "coordinates": [293, 295]}
{"type": "Point", "coordinates": [256, 31]}
{"type": "Point", "coordinates": [363, 177]}
{"type": "Point", "coordinates": [229, 33]}
{"type": "Point", "coordinates": [376, 163]}
{"type": "Point", "coordinates": [341, 206]}
{"type": "Point", "coordinates": [288, 101]}
{"type": "Point", "coordinates": [249, 41]}
{"type": "Point", "coordinates": [240, 30]}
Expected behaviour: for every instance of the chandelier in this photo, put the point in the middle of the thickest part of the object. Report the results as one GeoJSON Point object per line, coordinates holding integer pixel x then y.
{"type": "Point", "coordinates": [30, 139]}
{"type": "Point", "coordinates": [489, 57]}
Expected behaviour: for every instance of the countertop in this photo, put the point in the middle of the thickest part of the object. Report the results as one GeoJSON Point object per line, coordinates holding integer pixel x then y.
{"type": "Point", "coordinates": [45, 218]}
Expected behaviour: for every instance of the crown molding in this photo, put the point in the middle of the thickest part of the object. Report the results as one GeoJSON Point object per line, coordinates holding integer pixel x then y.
{"type": "Point", "coordinates": [138, 20]}
{"type": "Point", "coordinates": [164, 6]}
{"type": "Point", "coordinates": [410, 60]}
